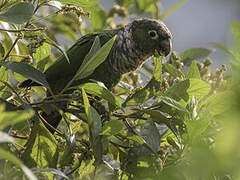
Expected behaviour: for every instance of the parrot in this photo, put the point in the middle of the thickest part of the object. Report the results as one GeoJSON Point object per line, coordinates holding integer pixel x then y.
{"type": "Point", "coordinates": [134, 44]}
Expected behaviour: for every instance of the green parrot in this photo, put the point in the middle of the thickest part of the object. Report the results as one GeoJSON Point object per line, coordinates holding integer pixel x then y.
{"type": "Point", "coordinates": [134, 43]}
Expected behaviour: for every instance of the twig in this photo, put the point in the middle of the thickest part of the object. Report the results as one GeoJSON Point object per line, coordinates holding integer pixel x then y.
{"type": "Point", "coordinates": [10, 50]}
{"type": "Point", "coordinates": [55, 130]}
{"type": "Point", "coordinates": [22, 30]}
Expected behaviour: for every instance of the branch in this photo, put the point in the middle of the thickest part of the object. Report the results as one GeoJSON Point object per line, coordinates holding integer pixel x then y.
{"type": "Point", "coordinates": [22, 30]}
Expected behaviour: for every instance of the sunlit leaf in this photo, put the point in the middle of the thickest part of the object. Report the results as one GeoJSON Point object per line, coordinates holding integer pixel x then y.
{"type": "Point", "coordinates": [81, 3]}
{"type": "Point", "coordinates": [198, 88]}
{"type": "Point", "coordinates": [172, 70]}
{"type": "Point", "coordinates": [236, 29]}
{"type": "Point", "coordinates": [194, 54]}
{"type": "Point", "coordinates": [97, 90]}
{"type": "Point", "coordinates": [112, 127]}
{"type": "Point", "coordinates": [171, 102]}
{"type": "Point", "coordinates": [10, 157]}
{"type": "Point", "coordinates": [41, 148]}
{"type": "Point", "coordinates": [193, 71]}
{"type": "Point", "coordinates": [94, 60]}
{"type": "Point", "coordinates": [10, 118]}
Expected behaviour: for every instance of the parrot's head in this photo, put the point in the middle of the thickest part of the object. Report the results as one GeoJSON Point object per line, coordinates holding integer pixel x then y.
{"type": "Point", "coordinates": [151, 35]}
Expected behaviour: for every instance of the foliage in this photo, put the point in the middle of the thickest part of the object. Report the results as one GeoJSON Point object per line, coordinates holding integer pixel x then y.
{"type": "Point", "coordinates": [180, 124]}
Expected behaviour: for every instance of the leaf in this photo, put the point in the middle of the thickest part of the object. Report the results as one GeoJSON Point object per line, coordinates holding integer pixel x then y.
{"type": "Point", "coordinates": [172, 70]}
{"type": "Point", "coordinates": [2, 52]}
{"type": "Point", "coordinates": [10, 118]}
{"type": "Point", "coordinates": [42, 52]}
{"type": "Point", "coordinates": [193, 71]}
{"type": "Point", "coordinates": [95, 127]}
{"type": "Point", "coordinates": [172, 9]}
{"type": "Point", "coordinates": [159, 117]}
{"type": "Point", "coordinates": [10, 157]}
{"type": "Point", "coordinates": [198, 88]}
{"type": "Point", "coordinates": [178, 91]}
{"type": "Point", "coordinates": [7, 105]}
{"type": "Point", "coordinates": [219, 103]}
{"type": "Point", "coordinates": [97, 18]}
{"type": "Point", "coordinates": [49, 41]}
{"type": "Point", "coordinates": [97, 90]}
{"type": "Point", "coordinates": [18, 13]}
{"type": "Point", "coordinates": [112, 128]}
{"type": "Point", "coordinates": [87, 107]}
{"type": "Point", "coordinates": [223, 48]}
{"type": "Point", "coordinates": [142, 95]}
{"type": "Point", "coordinates": [81, 3]}
{"type": "Point", "coordinates": [41, 148]}
{"type": "Point", "coordinates": [150, 135]}
{"type": "Point", "coordinates": [194, 54]}
{"type": "Point", "coordinates": [94, 60]}
{"type": "Point", "coordinates": [171, 102]}
{"type": "Point", "coordinates": [114, 165]}
{"type": "Point", "coordinates": [26, 71]}
{"type": "Point", "coordinates": [95, 47]}
{"type": "Point", "coordinates": [52, 171]}
{"type": "Point", "coordinates": [235, 26]}
{"type": "Point", "coordinates": [157, 73]}
{"type": "Point", "coordinates": [60, 49]}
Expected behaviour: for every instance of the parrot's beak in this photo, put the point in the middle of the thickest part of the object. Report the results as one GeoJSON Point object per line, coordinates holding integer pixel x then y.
{"type": "Point", "coordinates": [165, 47]}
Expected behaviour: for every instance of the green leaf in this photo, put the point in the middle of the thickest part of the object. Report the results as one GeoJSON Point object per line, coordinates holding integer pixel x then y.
{"type": "Point", "coordinates": [141, 95]}
{"type": "Point", "coordinates": [219, 103]}
{"type": "Point", "coordinates": [42, 52]}
{"type": "Point", "coordinates": [7, 105]}
{"type": "Point", "coordinates": [81, 3]}
{"type": "Point", "coordinates": [159, 117]}
{"type": "Point", "coordinates": [26, 71]}
{"type": "Point", "coordinates": [50, 42]}
{"type": "Point", "coordinates": [172, 70]}
{"type": "Point", "coordinates": [18, 13]}
{"type": "Point", "coordinates": [41, 148]}
{"type": "Point", "coordinates": [94, 60]}
{"type": "Point", "coordinates": [95, 127]}
{"type": "Point", "coordinates": [171, 102]}
{"type": "Point", "coordinates": [150, 135]}
{"type": "Point", "coordinates": [87, 107]}
{"type": "Point", "coordinates": [193, 71]}
{"type": "Point", "coordinates": [95, 47]}
{"type": "Point", "coordinates": [97, 18]}
{"type": "Point", "coordinates": [172, 9]}
{"type": "Point", "coordinates": [157, 73]}
{"type": "Point", "coordinates": [97, 90]}
{"type": "Point", "coordinates": [198, 88]}
{"type": "Point", "coordinates": [2, 52]}
{"type": "Point", "coordinates": [178, 91]}
{"type": "Point", "coordinates": [223, 48]}
{"type": "Point", "coordinates": [95, 130]}
{"type": "Point", "coordinates": [146, 6]}
{"type": "Point", "coordinates": [235, 26]}
{"type": "Point", "coordinates": [194, 54]}
{"type": "Point", "coordinates": [112, 127]}
{"type": "Point", "coordinates": [10, 118]}
{"type": "Point", "coordinates": [10, 157]}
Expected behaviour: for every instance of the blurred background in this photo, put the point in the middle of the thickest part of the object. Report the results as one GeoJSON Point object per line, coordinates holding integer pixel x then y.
{"type": "Point", "coordinates": [196, 23]}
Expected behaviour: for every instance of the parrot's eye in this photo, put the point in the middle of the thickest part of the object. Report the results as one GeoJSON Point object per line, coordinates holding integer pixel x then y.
{"type": "Point", "coordinates": [153, 34]}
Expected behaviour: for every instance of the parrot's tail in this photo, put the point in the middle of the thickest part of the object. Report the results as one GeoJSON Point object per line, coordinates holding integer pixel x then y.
{"type": "Point", "coordinates": [28, 83]}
